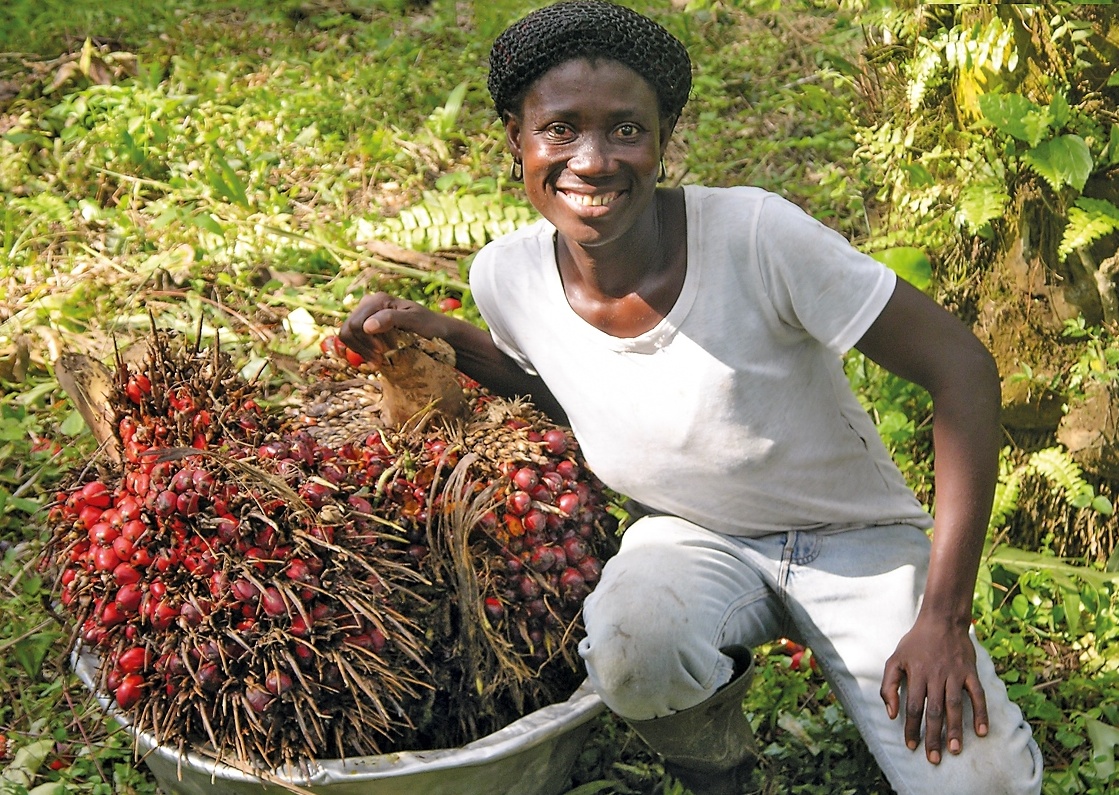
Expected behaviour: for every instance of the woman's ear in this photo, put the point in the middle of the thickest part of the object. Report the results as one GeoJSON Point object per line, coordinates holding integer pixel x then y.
{"type": "Point", "coordinates": [512, 134]}
{"type": "Point", "coordinates": [668, 125]}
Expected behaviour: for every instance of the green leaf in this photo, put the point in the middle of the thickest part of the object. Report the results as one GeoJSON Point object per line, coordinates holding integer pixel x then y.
{"type": "Point", "coordinates": [208, 223]}
{"type": "Point", "coordinates": [1016, 116]}
{"type": "Point", "coordinates": [1088, 220]}
{"type": "Point", "coordinates": [593, 787]}
{"type": "Point", "coordinates": [1062, 161]}
{"type": "Point", "coordinates": [980, 203]}
{"type": "Point", "coordinates": [30, 652]}
{"type": "Point", "coordinates": [1104, 739]}
{"type": "Point", "coordinates": [72, 425]}
{"type": "Point", "coordinates": [1062, 572]}
{"type": "Point", "coordinates": [909, 263]}
{"type": "Point", "coordinates": [26, 764]}
{"type": "Point", "coordinates": [1070, 600]}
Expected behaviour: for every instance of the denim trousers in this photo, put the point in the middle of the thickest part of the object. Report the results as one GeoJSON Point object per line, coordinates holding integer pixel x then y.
{"type": "Point", "coordinates": [675, 594]}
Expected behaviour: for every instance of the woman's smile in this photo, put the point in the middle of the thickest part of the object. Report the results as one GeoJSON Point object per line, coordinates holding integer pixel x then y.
{"type": "Point", "coordinates": [590, 138]}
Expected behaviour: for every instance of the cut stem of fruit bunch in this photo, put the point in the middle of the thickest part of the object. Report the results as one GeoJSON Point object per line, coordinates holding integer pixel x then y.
{"type": "Point", "coordinates": [275, 587]}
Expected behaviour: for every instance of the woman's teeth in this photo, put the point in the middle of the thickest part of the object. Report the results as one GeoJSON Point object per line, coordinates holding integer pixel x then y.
{"type": "Point", "coordinates": [597, 200]}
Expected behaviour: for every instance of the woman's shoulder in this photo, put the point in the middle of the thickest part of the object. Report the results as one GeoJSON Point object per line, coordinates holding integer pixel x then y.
{"type": "Point", "coordinates": [740, 196]}
{"type": "Point", "coordinates": [518, 255]}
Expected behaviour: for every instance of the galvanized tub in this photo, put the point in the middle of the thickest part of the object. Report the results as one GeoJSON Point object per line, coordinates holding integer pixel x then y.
{"type": "Point", "coordinates": [531, 756]}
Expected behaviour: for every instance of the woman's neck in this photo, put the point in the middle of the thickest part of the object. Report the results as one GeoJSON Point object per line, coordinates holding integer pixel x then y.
{"type": "Point", "coordinates": [626, 287]}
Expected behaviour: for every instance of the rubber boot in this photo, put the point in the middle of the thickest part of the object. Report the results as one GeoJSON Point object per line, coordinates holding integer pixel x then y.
{"type": "Point", "coordinates": [710, 747]}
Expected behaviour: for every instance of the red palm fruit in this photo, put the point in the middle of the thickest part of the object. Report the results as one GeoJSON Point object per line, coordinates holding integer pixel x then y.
{"type": "Point", "coordinates": [105, 559]}
{"type": "Point", "coordinates": [567, 469]}
{"type": "Point", "coordinates": [297, 570]}
{"type": "Point", "coordinates": [591, 569]}
{"type": "Point", "coordinates": [300, 628]}
{"type": "Point", "coordinates": [126, 574]}
{"type": "Point", "coordinates": [187, 503]}
{"type": "Point", "coordinates": [518, 503]}
{"type": "Point", "coordinates": [95, 493]}
{"type": "Point", "coordinates": [164, 615]}
{"type": "Point", "coordinates": [129, 691]}
{"type": "Point", "coordinates": [89, 515]}
{"type": "Point", "coordinates": [112, 615]}
{"type": "Point", "coordinates": [526, 478]}
{"type": "Point", "coordinates": [141, 558]}
{"type": "Point", "coordinates": [575, 549]}
{"type": "Point", "coordinates": [133, 530]}
{"type": "Point", "coordinates": [244, 590]}
{"type": "Point", "coordinates": [572, 585]}
{"type": "Point", "coordinates": [128, 598]}
{"type": "Point", "coordinates": [258, 698]}
{"type": "Point", "coordinates": [273, 603]}
{"type": "Point", "coordinates": [166, 503]}
{"type": "Point", "coordinates": [103, 533]}
{"type": "Point", "coordinates": [304, 655]}
{"type": "Point", "coordinates": [191, 614]}
{"type": "Point", "coordinates": [219, 584]}
{"type": "Point", "coordinates": [528, 587]}
{"type": "Point", "coordinates": [556, 441]}
{"type": "Point", "coordinates": [209, 676]}
{"type": "Point", "coordinates": [543, 558]}
{"type": "Point", "coordinates": [494, 608]}
{"type": "Point", "coordinates": [183, 480]}
{"type": "Point", "coordinates": [534, 521]}
{"type": "Point", "coordinates": [316, 494]}
{"type": "Point", "coordinates": [123, 547]}
{"type": "Point", "coordinates": [134, 660]}
{"type": "Point", "coordinates": [354, 358]}
{"type": "Point", "coordinates": [112, 678]}
{"type": "Point", "coordinates": [360, 504]}
{"type": "Point", "coordinates": [277, 682]}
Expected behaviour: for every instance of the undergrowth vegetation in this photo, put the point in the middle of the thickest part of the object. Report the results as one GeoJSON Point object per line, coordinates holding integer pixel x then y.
{"type": "Point", "coordinates": [235, 169]}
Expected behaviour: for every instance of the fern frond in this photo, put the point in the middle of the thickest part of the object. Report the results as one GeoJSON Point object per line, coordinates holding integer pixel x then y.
{"type": "Point", "coordinates": [981, 203]}
{"type": "Point", "coordinates": [1056, 465]}
{"type": "Point", "coordinates": [443, 221]}
{"type": "Point", "coordinates": [1088, 220]}
{"type": "Point", "coordinates": [1007, 491]}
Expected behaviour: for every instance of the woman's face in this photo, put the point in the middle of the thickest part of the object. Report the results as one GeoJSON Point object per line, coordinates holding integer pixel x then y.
{"type": "Point", "coordinates": [591, 139]}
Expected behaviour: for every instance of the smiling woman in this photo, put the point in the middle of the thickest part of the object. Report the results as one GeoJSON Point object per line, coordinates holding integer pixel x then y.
{"type": "Point", "coordinates": [691, 337]}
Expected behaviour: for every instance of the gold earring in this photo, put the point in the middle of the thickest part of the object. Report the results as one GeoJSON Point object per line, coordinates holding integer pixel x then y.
{"type": "Point", "coordinates": [664, 173]}
{"type": "Point", "coordinates": [517, 171]}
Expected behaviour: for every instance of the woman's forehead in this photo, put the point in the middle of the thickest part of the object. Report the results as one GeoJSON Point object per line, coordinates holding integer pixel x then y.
{"type": "Point", "coordinates": [593, 82]}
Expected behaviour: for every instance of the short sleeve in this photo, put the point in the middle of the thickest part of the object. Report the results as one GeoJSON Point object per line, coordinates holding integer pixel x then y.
{"type": "Point", "coordinates": [816, 279]}
{"type": "Point", "coordinates": [484, 289]}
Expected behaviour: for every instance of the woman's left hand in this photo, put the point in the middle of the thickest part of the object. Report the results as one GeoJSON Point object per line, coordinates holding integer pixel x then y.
{"type": "Point", "coordinates": [936, 660]}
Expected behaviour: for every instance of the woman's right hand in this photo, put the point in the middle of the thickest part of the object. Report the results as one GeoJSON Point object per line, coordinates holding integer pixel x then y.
{"type": "Point", "coordinates": [380, 312]}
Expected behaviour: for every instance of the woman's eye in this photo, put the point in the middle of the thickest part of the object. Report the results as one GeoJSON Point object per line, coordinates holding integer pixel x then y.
{"type": "Point", "coordinates": [627, 130]}
{"type": "Point", "coordinates": [559, 130]}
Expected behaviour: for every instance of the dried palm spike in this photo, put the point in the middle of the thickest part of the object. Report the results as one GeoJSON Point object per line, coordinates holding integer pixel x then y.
{"type": "Point", "coordinates": [413, 381]}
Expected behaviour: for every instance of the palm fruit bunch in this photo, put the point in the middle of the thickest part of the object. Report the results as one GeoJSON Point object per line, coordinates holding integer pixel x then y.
{"type": "Point", "coordinates": [273, 587]}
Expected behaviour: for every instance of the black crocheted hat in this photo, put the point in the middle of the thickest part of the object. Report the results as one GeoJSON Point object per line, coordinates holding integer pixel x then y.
{"type": "Point", "coordinates": [558, 33]}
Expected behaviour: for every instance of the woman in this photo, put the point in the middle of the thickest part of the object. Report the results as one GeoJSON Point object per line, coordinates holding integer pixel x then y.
{"type": "Point", "coordinates": [691, 337]}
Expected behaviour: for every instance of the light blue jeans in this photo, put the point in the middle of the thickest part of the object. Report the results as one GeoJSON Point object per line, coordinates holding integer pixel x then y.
{"type": "Point", "coordinates": [675, 594]}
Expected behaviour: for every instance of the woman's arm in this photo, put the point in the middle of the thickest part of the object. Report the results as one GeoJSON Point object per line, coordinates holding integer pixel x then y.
{"type": "Point", "coordinates": [922, 342]}
{"type": "Point", "coordinates": [475, 353]}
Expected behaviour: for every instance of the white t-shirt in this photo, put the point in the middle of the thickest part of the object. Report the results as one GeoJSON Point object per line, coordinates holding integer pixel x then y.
{"type": "Point", "coordinates": [734, 411]}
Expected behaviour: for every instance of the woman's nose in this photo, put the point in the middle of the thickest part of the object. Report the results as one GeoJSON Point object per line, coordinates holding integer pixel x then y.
{"type": "Point", "coordinates": [593, 156]}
